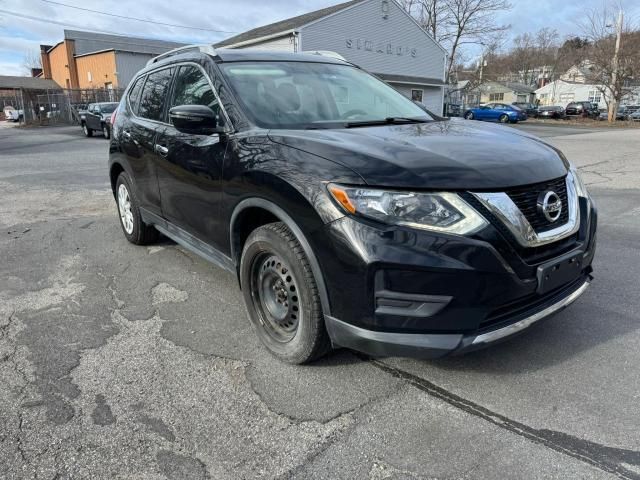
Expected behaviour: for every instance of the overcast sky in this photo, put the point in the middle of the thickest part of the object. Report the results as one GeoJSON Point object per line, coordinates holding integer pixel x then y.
{"type": "Point", "coordinates": [19, 35]}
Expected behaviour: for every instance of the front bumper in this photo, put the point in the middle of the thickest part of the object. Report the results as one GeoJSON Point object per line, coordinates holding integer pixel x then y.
{"type": "Point", "coordinates": [388, 344]}
{"type": "Point", "coordinates": [401, 292]}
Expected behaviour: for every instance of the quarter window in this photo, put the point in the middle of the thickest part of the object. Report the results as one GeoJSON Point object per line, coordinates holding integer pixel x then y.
{"type": "Point", "coordinates": [154, 93]}
{"type": "Point", "coordinates": [134, 94]}
{"type": "Point", "coordinates": [193, 88]}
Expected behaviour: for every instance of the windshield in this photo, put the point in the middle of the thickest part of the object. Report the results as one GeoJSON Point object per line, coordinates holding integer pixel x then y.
{"type": "Point", "coordinates": [316, 95]}
{"type": "Point", "coordinates": [108, 107]}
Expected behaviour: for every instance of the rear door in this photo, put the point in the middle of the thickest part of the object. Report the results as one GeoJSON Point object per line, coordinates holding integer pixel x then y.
{"type": "Point", "coordinates": [190, 168]}
{"type": "Point", "coordinates": [146, 116]}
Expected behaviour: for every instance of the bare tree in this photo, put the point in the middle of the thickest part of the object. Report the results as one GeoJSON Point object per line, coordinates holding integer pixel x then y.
{"type": "Point", "coordinates": [31, 59]}
{"type": "Point", "coordinates": [459, 22]}
{"type": "Point", "coordinates": [614, 54]}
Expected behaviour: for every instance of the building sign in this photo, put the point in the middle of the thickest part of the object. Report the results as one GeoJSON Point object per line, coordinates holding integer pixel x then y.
{"type": "Point", "coordinates": [381, 47]}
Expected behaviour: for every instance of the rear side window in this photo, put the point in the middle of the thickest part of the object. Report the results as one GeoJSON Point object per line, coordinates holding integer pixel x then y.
{"type": "Point", "coordinates": [134, 94]}
{"type": "Point", "coordinates": [154, 94]}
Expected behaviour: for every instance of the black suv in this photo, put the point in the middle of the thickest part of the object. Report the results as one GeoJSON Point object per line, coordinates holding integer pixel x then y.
{"type": "Point", "coordinates": [351, 216]}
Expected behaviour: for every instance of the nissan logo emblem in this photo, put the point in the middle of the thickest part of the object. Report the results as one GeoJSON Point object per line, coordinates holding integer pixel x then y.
{"type": "Point", "coordinates": [550, 205]}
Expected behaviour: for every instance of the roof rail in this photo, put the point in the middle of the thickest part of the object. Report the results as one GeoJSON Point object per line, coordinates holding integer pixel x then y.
{"type": "Point", "coordinates": [326, 53]}
{"type": "Point", "coordinates": [177, 51]}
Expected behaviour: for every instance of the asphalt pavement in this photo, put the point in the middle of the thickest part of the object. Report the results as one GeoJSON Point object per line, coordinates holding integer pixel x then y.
{"type": "Point", "coordinates": [118, 361]}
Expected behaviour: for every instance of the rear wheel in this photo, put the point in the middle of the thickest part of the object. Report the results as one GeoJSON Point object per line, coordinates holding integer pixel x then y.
{"type": "Point", "coordinates": [281, 295]}
{"type": "Point", "coordinates": [87, 131]}
{"type": "Point", "coordinates": [468, 115]}
{"type": "Point", "coordinates": [131, 222]}
{"type": "Point", "coordinates": [105, 131]}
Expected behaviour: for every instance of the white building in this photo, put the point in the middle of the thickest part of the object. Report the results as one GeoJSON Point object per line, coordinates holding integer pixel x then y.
{"type": "Point", "coordinates": [561, 92]}
{"type": "Point", "coordinates": [377, 35]}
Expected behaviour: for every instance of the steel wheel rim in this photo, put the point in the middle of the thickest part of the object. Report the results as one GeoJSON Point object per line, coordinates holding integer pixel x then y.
{"type": "Point", "coordinates": [274, 290]}
{"type": "Point", "coordinates": [124, 207]}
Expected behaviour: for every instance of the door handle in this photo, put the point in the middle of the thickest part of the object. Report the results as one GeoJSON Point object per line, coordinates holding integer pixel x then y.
{"type": "Point", "coordinates": [161, 150]}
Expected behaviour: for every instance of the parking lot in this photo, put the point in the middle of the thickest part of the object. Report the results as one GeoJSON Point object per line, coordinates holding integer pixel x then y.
{"type": "Point", "coordinates": [119, 361]}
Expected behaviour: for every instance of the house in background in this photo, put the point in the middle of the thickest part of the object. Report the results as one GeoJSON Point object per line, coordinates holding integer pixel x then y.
{"type": "Point", "coordinates": [377, 35]}
{"type": "Point", "coordinates": [86, 60]}
{"type": "Point", "coordinates": [580, 73]}
{"type": "Point", "coordinates": [574, 86]}
{"type": "Point", "coordinates": [562, 92]}
{"type": "Point", "coordinates": [507, 92]}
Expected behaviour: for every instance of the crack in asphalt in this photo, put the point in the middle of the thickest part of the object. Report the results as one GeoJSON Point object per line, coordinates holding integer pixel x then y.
{"type": "Point", "coordinates": [605, 458]}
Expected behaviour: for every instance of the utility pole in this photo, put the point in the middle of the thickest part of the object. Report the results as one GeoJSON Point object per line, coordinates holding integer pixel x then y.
{"type": "Point", "coordinates": [613, 104]}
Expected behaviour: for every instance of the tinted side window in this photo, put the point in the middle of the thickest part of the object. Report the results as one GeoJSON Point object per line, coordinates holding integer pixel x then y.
{"type": "Point", "coordinates": [134, 94]}
{"type": "Point", "coordinates": [193, 88]}
{"type": "Point", "coordinates": [154, 93]}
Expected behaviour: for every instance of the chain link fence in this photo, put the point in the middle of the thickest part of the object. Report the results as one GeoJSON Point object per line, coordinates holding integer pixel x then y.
{"type": "Point", "coordinates": [53, 107]}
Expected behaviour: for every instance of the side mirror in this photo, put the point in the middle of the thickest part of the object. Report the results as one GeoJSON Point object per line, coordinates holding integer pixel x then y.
{"type": "Point", "coordinates": [195, 119]}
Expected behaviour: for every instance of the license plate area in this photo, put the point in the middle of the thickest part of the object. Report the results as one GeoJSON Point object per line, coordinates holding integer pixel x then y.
{"type": "Point", "coordinates": [559, 272]}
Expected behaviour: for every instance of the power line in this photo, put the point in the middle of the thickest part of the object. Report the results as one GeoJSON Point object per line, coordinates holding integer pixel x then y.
{"type": "Point", "coordinates": [62, 24]}
{"type": "Point", "coordinates": [137, 19]}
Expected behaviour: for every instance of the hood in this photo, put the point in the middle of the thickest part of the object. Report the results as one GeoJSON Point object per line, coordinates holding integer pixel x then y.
{"type": "Point", "coordinates": [452, 155]}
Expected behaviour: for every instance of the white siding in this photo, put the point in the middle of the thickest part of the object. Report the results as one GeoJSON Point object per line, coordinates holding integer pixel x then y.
{"type": "Point", "coordinates": [392, 45]}
{"type": "Point", "coordinates": [431, 96]}
{"type": "Point", "coordinates": [561, 93]}
{"type": "Point", "coordinates": [280, 44]}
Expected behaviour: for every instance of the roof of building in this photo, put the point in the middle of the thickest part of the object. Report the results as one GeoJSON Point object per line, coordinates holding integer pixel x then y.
{"type": "Point", "coordinates": [519, 87]}
{"type": "Point", "coordinates": [287, 24]}
{"type": "Point", "coordinates": [114, 50]}
{"type": "Point", "coordinates": [27, 83]}
{"type": "Point", "coordinates": [88, 42]}
{"type": "Point", "coordinates": [409, 79]}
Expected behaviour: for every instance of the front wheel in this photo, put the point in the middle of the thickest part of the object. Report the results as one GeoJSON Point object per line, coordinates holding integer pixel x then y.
{"type": "Point", "coordinates": [105, 131]}
{"type": "Point", "coordinates": [503, 118]}
{"type": "Point", "coordinates": [468, 115]}
{"type": "Point", "coordinates": [281, 295]}
{"type": "Point", "coordinates": [87, 131]}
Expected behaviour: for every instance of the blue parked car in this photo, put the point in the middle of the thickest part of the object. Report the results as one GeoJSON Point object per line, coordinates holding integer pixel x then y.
{"type": "Point", "coordinates": [496, 112]}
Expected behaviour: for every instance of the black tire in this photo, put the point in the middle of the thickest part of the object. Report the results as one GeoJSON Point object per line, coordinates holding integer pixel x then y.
{"type": "Point", "coordinates": [281, 295]}
{"type": "Point", "coordinates": [140, 233]}
{"type": "Point", "coordinates": [504, 118]}
{"type": "Point", "coordinates": [468, 116]}
{"type": "Point", "coordinates": [87, 131]}
{"type": "Point", "coordinates": [105, 131]}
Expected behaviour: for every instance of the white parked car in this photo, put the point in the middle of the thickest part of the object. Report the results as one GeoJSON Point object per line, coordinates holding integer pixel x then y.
{"type": "Point", "coordinates": [13, 115]}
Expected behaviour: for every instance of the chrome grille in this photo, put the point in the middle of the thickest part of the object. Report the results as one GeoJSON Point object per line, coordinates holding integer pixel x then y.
{"type": "Point", "coordinates": [526, 198]}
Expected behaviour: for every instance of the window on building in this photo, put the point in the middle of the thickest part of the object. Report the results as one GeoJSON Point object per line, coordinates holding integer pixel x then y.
{"type": "Point", "coordinates": [495, 97]}
{"type": "Point", "coordinates": [416, 95]}
{"type": "Point", "coordinates": [193, 88]}
{"type": "Point", "coordinates": [153, 94]}
{"type": "Point", "coordinates": [595, 96]}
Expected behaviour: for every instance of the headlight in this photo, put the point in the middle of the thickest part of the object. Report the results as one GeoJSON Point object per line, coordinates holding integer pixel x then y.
{"type": "Point", "coordinates": [441, 212]}
{"type": "Point", "coordinates": [581, 189]}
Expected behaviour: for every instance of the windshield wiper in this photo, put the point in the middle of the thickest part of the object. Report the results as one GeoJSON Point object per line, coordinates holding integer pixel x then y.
{"type": "Point", "coordinates": [385, 121]}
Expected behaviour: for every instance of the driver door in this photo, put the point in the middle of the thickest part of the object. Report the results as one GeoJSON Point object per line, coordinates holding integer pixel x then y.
{"type": "Point", "coordinates": [190, 165]}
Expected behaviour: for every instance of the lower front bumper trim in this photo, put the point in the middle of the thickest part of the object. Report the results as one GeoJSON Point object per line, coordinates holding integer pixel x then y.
{"type": "Point", "coordinates": [432, 345]}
